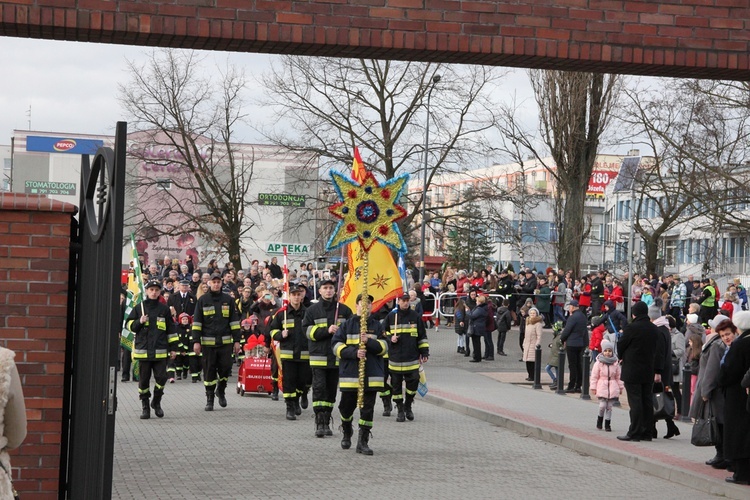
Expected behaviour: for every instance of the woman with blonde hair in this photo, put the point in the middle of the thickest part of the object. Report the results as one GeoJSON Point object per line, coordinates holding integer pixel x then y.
{"type": "Point", "coordinates": [533, 338]}
{"type": "Point", "coordinates": [12, 418]}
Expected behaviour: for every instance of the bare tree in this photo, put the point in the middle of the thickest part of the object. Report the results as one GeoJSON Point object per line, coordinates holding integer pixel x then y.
{"type": "Point", "coordinates": [575, 109]}
{"type": "Point", "coordinates": [184, 123]}
{"type": "Point", "coordinates": [326, 106]}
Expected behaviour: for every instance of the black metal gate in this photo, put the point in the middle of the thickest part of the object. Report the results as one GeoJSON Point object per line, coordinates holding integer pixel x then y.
{"type": "Point", "coordinates": [93, 334]}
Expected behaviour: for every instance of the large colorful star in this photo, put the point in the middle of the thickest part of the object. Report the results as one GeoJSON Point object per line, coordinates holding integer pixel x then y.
{"type": "Point", "coordinates": [368, 211]}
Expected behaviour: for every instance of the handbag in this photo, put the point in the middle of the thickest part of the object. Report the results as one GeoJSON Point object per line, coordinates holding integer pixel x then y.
{"type": "Point", "coordinates": [675, 365]}
{"type": "Point", "coordinates": [10, 478]}
{"type": "Point", "coordinates": [705, 430]}
{"type": "Point", "coordinates": [663, 405]}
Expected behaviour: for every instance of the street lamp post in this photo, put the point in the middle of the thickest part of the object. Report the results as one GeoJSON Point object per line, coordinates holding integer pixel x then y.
{"type": "Point", "coordinates": [435, 80]}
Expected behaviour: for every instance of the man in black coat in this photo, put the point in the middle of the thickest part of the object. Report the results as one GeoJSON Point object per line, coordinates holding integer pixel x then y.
{"type": "Point", "coordinates": [637, 350]}
{"type": "Point", "coordinates": [575, 339]}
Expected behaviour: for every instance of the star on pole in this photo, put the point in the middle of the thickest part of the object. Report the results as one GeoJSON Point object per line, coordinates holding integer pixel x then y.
{"type": "Point", "coordinates": [368, 212]}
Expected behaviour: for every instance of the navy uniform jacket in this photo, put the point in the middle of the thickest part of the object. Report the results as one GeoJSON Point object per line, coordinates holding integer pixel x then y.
{"type": "Point", "coordinates": [345, 346]}
{"type": "Point", "coordinates": [403, 356]}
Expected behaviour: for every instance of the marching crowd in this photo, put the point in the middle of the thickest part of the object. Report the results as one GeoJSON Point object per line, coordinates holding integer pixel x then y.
{"type": "Point", "coordinates": [194, 323]}
{"type": "Point", "coordinates": [203, 318]}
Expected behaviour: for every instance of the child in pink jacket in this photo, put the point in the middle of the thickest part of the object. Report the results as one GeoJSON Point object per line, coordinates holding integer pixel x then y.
{"type": "Point", "coordinates": [606, 383]}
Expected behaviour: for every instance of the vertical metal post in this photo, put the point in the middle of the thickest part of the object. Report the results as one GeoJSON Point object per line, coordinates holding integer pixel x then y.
{"type": "Point", "coordinates": [435, 80]}
{"type": "Point", "coordinates": [586, 374]}
{"type": "Point", "coordinates": [561, 372]}
{"type": "Point", "coordinates": [538, 367]}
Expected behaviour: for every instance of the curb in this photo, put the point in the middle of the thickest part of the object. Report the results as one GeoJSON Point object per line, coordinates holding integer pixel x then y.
{"type": "Point", "coordinates": [652, 467]}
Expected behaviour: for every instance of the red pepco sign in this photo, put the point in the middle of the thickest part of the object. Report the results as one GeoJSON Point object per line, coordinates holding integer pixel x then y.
{"type": "Point", "coordinates": [64, 145]}
{"type": "Point", "coordinates": [598, 182]}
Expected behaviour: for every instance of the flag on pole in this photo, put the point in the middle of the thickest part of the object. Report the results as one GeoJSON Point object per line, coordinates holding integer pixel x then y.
{"type": "Point", "coordinates": [384, 281]}
{"type": "Point", "coordinates": [402, 272]}
{"type": "Point", "coordinates": [134, 297]}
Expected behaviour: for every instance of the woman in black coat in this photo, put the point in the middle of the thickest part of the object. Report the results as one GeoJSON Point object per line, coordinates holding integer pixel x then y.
{"type": "Point", "coordinates": [736, 418]}
{"type": "Point", "coordinates": [478, 327]}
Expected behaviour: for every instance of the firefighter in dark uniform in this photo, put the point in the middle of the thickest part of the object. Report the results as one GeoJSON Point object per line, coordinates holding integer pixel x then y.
{"type": "Point", "coordinates": [407, 348]}
{"type": "Point", "coordinates": [244, 305]}
{"type": "Point", "coordinates": [322, 321]}
{"type": "Point", "coordinates": [155, 338]}
{"type": "Point", "coordinates": [346, 347]}
{"type": "Point", "coordinates": [286, 328]}
{"type": "Point", "coordinates": [216, 328]}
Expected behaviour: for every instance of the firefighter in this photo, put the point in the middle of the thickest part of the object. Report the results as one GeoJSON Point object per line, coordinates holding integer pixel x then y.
{"type": "Point", "coordinates": [216, 328]}
{"type": "Point", "coordinates": [346, 347]}
{"type": "Point", "coordinates": [263, 310]}
{"type": "Point", "coordinates": [407, 348]}
{"type": "Point", "coordinates": [191, 362]}
{"type": "Point", "coordinates": [155, 335]}
{"type": "Point", "coordinates": [322, 321]}
{"type": "Point", "coordinates": [286, 328]}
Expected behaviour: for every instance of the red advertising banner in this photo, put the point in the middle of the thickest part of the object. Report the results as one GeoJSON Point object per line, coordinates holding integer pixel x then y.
{"type": "Point", "coordinates": [599, 181]}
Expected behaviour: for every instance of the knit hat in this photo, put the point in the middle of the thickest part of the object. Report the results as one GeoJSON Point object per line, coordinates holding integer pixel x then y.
{"type": "Point", "coordinates": [654, 312]}
{"type": "Point", "coordinates": [692, 319]}
{"type": "Point", "coordinates": [639, 309]}
{"type": "Point", "coordinates": [713, 323]}
{"type": "Point", "coordinates": [606, 344]}
{"type": "Point", "coordinates": [741, 320]}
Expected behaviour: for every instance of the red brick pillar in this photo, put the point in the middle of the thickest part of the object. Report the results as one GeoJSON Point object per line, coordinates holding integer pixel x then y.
{"type": "Point", "coordinates": [34, 249]}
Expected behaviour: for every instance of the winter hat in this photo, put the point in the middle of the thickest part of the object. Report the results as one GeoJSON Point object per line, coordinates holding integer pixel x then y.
{"type": "Point", "coordinates": [606, 344]}
{"type": "Point", "coordinates": [654, 312]}
{"type": "Point", "coordinates": [713, 323]}
{"type": "Point", "coordinates": [639, 309]}
{"type": "Point", "coordinates": [692, 319]}
{"type": "Point", "coordinates": [741, 320]}
{"type": "Point", "coordinates": [573, 302]}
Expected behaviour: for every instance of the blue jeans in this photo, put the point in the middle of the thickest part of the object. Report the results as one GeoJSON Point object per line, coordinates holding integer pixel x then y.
{"type": "Point", "coordinates": [550, 369]}
{"type": "Point", "coordinates": [558, 313]}
{"type": "Point", "coordinates": [489, 347]}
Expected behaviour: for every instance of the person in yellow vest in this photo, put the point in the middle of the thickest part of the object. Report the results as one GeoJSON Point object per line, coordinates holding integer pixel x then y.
{"type": "Point", "coordinates": [708, 302]}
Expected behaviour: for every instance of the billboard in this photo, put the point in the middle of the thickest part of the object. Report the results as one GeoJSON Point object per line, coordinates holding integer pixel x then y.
{"type": "Point", "coordinates": [599, 181]}
{"type": "Point", "coordinates": [62, 145]}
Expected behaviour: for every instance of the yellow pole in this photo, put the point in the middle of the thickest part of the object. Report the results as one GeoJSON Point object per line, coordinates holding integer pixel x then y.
{"type": "Point", "coordinates": [365, 313]}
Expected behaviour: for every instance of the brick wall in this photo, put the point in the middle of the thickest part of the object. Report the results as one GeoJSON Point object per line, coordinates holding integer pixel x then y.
{"type": "Point", "coordinates": [692, 38]}
{"type": "Point", "coordinates": [34, 243]}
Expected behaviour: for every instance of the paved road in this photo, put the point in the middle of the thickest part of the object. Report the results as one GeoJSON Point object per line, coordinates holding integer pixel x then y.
{"type": "Point", "coordinates": [249, 450]}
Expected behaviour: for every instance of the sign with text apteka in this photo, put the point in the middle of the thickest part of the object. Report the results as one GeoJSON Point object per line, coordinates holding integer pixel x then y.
{"type": "Point", "coordinates": [281, 199]}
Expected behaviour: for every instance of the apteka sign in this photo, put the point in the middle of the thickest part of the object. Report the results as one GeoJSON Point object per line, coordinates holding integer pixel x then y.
{"type": "Point", "coordinates": [275, 248]}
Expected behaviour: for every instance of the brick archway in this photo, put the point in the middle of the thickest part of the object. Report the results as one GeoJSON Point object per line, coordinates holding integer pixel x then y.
{"type": "Point", "coordinates": [680, 38]}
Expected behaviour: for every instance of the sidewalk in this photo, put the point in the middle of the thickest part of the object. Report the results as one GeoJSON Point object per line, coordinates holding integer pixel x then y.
{"type": "Point", "coordinates": [570, 422]}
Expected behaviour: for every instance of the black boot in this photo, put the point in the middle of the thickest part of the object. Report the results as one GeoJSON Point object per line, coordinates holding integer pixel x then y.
{"type": "Point", "coordinates": [196, 378]}
{"type": "Point", "coordinates": [146, 411]}
{"type": "Point", "coordinates": [607, 426]}
{"type": "Point", "coordinates": [275, 391]}
{"type": "Point", "coordinates": [599, 421]}
{"type": "Point", "coordinates": [407, 408]}
{"type": "Point", "coordinates": [221, 394]}
{"type": "Point", "coordinates": [400, 416]}
{"type": "Point", "coordinates": [297, 408]}
{"type": "Point", "coordinates": [327, 423]}
{"type": "Point", "coordinates": [387, 406]}
{"type": "Point", "coordinates": [320, 430]}
{"type": "Point", "coordinates": [346, 439]}
{"type": "Point", "coordinates": [156, 404]}
{"type": "Point", "coordinates": [209, 401]}
{"type": "Point", "coordinates": [672, 430]}
{"type": "Point", "coordinates": [290, 413]}
{"type": "Point", "coordinates": [304, 402]}
{"type": "Point", "coordinates": [364, 437]}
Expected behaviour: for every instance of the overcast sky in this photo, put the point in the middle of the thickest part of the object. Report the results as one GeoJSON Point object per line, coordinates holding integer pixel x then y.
{"type": "Point", "coordinates": [71, 87]}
